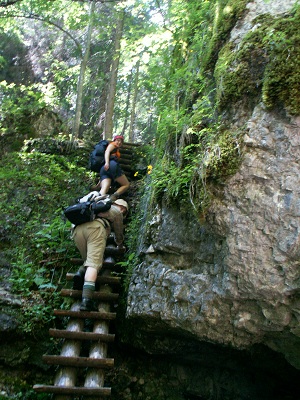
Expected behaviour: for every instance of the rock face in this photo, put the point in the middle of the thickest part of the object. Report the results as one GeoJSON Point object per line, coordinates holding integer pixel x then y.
{"type": "Point", "coordinates": [45, 124]}
{"type": "Point", "coordinates": [256, 8]}
{"type": "Point", "coordinates": [233, 279]}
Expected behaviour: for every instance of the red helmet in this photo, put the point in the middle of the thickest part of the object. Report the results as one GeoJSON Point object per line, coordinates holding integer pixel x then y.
{"type": "Point", "coordinates": [119, 137]}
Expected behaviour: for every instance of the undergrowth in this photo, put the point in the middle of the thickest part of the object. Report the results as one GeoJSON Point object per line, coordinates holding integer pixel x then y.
{"type": "Point", "coordinates": [183, 181]}
{"type": "Point", "coordinates": [35, 238]}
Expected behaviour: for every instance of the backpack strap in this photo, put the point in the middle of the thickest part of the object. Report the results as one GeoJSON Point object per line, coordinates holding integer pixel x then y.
{"type": "Point", "coordinates": [105, 222]}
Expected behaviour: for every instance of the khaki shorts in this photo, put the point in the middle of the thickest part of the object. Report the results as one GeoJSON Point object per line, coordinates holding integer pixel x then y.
{"type": "Point", "coordinates": [90, 239]}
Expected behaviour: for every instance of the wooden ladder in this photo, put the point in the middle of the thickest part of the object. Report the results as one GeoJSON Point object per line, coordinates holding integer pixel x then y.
{"type": "Point", "coordinates": [128, 153]}
{"type": "Point", "coordinates": [78, 375]}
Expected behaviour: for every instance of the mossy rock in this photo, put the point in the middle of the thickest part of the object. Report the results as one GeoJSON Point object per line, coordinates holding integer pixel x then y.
{"type": "Point", "coordinates": [265, 67]}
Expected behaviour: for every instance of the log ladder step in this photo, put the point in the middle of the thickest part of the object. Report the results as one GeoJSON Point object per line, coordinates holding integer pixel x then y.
{"type": "Point", "coordinates": [86, 314]}
{"type": "Point", "coordinates": [109, 280]}
{"type": "Point", "coordinates": [86, 362]}
{"type": "Point", "coordinates": [73, 335]}
{"type": "Point", "coordinates": [76, 294]}
{"type": "Point", "coordinates": [80, 391]}
{"type": "Point", "coordinates": [108, 262]}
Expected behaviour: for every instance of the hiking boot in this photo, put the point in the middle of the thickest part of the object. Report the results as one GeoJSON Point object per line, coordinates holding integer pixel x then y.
{"type": "Point", "coordinates": [87, 305]}
{"type": "Point", "coordinates": [78, 280]}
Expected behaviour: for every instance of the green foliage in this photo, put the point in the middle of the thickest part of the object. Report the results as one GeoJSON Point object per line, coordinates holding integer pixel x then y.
{"type": "Point", "coordinates": [34, 189]}
{"type": "Point", "coordinates": [64, 79]}
{"type": "Point", "coordinates": [26, 275]}
{"type": "Point", "coordinates": [37, 312]}
{"type": "Point", "coordinates": [128, 265]}
{"type": "Point", "coordinates": [24, 391]}
{"type": "Point", "coordinates": [39, 294]}
{"type": "Point", "coordinates": [14, 63]}
{"type": "Point", "coordinates": [31, 192]}
{"type": "Point", "coordinates": [209, 28]}
{"type": "Point", "coordinates": [53, 242]}
{"type": "Point", "coordinates": [215, 155]}
{"type": "Point", "coordinates": [57, 48]}
{"type": "Point", "coordinates": [169, 129]}
{"type": "Point", "coordinates": [31, 395]}
{"type": "Point", "coordinates": [136, 227]}
{"type": "Point", "coordinates": [188, 164]}
{"type": "Point", "coordinates": [199, 31]}
{"type": "Point", "coordinates": [171, 182]}
{"type": "Point", "coordinates": [20, 104]}
{"type": "Point", "coordinates": [141, 159]}
{"type": "Point", "coordinates": [37, 276]}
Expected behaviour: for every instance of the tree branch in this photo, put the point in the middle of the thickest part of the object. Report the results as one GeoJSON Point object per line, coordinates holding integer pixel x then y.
{"type": "Point", "coordinates": [34, 16]}
{"type": "Point", "coordinates": [6, 3]}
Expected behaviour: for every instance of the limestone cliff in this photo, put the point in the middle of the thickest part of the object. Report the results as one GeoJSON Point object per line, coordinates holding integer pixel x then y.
{"type": "Point", "coordinates": [233, 278]}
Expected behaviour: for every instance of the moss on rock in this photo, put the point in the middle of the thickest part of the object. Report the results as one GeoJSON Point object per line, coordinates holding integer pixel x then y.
{"type": "Point", "coordinates": [266, 65]}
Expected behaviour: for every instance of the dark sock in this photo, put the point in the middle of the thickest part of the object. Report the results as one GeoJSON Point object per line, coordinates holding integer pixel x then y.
{"type": "Point", "coordinates": [88, 290]}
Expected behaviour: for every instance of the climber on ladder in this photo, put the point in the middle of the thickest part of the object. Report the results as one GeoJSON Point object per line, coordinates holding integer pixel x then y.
{"type": "Point", "coordinates": [111, 171]}
{"type": "Point", "coordinates": [90, 239]}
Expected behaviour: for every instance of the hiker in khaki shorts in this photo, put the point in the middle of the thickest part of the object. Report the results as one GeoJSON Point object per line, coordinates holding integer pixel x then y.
{"type": "Point", "coordinates": [90, 239]}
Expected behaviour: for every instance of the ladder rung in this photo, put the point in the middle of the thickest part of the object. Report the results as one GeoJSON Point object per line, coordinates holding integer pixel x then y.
{"type": "Point", "coordinates": [126, 157]}
{"type": "Point", "coordinates": [85, 314]}
{"type": "Point", "coordinates": [102, 296]}
{"type": "Point", "coordinates": [105, 391]}
{"type": "Point", "coordinates": [108, 263]}
{"type": "Point", "coordinates": [125, 152]}
{"type": "Point", "coordinates": [79, 361]}
{"type": "Point", "coordinates": [113, 251]}
{"type": "Point", "coordinates": [110, 252]}
{"type": "Point", "coordinates": [131, 145]}
{"type": "Point", "coordinates": [126, 168]}
{"type": "Point", "coordinates": [59, 333]}
{"type": "Point", "coordinates": [113, 280]}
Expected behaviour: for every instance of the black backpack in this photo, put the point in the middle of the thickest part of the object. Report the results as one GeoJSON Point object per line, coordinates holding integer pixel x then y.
{"type": "Point", "coordinates": [96, 159]}
{"type": "Point", "coordinates": [80, 213]}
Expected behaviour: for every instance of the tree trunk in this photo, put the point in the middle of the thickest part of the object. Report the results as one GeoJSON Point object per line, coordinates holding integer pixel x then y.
{"type": "Point", "coordinates": [108, 124]}
{"type": "Point", "coordinates": [126, 113]}
{"type": "Point", "coordinates": [78, 110]}
{"type": "Point", "coordinates": [133, 107]}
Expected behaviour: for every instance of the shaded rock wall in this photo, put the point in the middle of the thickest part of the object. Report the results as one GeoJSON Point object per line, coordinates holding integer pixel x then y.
{"type": "Point", "coordinates": [44, 124]}
{"type": "Point", "coordinates": [233, 279]}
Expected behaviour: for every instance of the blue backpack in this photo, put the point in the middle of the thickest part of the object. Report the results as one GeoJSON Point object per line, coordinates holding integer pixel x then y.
{"type": "Point", "coordinates": [96, 159]}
